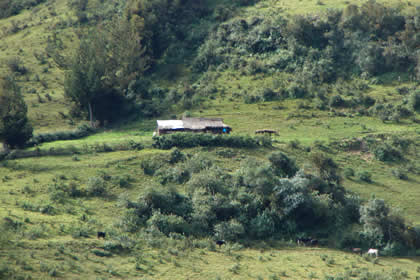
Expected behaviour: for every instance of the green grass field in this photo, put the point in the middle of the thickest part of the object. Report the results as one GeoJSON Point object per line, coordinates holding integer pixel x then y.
{"type": "Point", "coordinates": [43, 244]}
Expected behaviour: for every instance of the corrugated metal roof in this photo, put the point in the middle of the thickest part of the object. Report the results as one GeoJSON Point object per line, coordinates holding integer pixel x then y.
{"type": "Point", "coordinates": [191, 123]}
{"type": "Point", "coordinates": [170, 124]}
{"type": "Point", "coordinates": [202, 123]}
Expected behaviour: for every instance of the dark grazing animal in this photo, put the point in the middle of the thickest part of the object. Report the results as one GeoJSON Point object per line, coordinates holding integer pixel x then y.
{"type": "Point", "coordinates": [303, 241]}
{"type": "Point", "coordinates": [357, 250]}
{"type": "Point", "coordinates": [101, 234]}
{"type": "Point", "coordinates": [314, 242]}
{"type": "Point", "coordinates": [307, 241]}
{"type": "Point", "coordinates": [220, 242]}
{"type": "Point", "coordinates": [266, 131]}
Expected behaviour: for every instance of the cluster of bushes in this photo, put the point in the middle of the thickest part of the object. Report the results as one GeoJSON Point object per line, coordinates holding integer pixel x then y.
{"type": "Point", "coordinates": [383, 147]}
{"type": "Point", "coordinates": [263, 199]}
{"type": "Point", "coordinates": [385, 152]}
{"type": "Point", "coordinates": [173, 26]}
{"type": "Point", "coordinates": [316, 48]}
{"type": "Point", "coordinates": [178, 168]}
{"type": "Point", "coordinates": [44, 209]}
{"type": "Point", "coordinates": [402, 110]}
{"type": "Point", "coordinates": [95, 186]}
{"type": "Point", "coordinates": [384, 229]}
{"type": "Point", "coordinates": [188, 140]}
{"type": "Point", "coordinates": [389, 149]}
{"type": "Point", "coordinates": [16, 66]}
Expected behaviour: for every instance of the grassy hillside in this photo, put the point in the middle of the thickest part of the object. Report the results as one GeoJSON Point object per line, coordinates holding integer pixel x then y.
{"type": "Point", "coordinates": [51, 234]}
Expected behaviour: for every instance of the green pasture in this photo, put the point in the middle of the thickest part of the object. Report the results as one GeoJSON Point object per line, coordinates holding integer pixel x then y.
{"type": "Point", "coordinates": [44, 247]}
{"type": "Point", "coordinates": [48, 260]}
{"type": "Point", "coordinates": [306, 126]}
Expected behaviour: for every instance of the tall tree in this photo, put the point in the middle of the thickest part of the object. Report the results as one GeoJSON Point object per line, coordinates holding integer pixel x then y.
{"type": "Point", "coordinates": [107, 59]}
{"type": "Point", "coordinates": [15, 128]}
{"type": "Point", "coordinates": [85, 79]}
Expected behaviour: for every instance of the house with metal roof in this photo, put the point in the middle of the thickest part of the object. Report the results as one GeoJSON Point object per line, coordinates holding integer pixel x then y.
{"type": "Point", "coordinates": [212, 125]}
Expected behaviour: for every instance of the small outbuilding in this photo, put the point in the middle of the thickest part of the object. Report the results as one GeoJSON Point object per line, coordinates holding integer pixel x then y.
{"type": "Point", "coordinates": [212, 125]}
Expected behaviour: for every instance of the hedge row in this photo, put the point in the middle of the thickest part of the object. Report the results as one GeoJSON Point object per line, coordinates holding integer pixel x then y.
{"type": "Point", "coordinates": [80, 132]}
{"type": "Point", "coordinates": [73, 150]}
{"type": "Point", "coordinates": [189, 140]}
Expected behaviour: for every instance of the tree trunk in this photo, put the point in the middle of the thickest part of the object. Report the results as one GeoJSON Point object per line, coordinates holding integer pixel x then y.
{"type": "Point", "coordinates": [90, 115]}
{"type": "Point", "coordinates": [5, 147]}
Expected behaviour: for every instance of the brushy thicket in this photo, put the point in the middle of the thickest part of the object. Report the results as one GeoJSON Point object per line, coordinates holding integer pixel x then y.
{"type": "Point", "coordinates": [319, 46]}
{"type": "Point", "coordinates": [369, 40]}
{"type": "Point", "coordinates": [262, 200]}
{"type": "Point", "coordinates": [189, 140]}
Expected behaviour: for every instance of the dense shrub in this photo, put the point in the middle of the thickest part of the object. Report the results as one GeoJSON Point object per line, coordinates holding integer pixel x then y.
{"type": "Point", "coordinates": [337, 101]}
{"type": "Point", "coordinates": [119, 243]}
{"type": "Point", "coordinates": [258, 177]}
{"type": "Point", "coordinates": [44, 209]}
{"type": "Point", "coordinates": [122, 181]}
{"type": "Point", "coordinates": [394, 249]}
{"type": "Point", "coordinates": [173, 175]}
{"type": "Point", "coordinates": [96, 186]}
{"type": "Point", "coordinates": [16, 65]}
{"type": "Point", "coordinates": [176, 156]}
{"type": "Point", "coordinates": [168, 223]}
{"type": "Point", "coordinates": [150, 166]}
{"type": "Point", "coordinates": [168, 26]}
{"type": "Point", "coordinates": [78, 5]}
{"type": "Point", "coordinates": [348, 172]}
{"type": "Point", "coordinates": [414, 100]}
{"type": "Point", "coordinates": [207, 55]}
{"type": "Point", "coordinates": [101, 253]}
{"type": "Point", "coordinates": [364, 176]}
{"type": "Point", "coordinates": [296, 90]}
{"type": "Point", "coordinates": [198, 162]}
{"type": "Point", "coordinates": [213, 181]}
{"type": "Point", "coordinates": [327, 168]}
{"type": "Point", "coordinates": [282, 164]}
{"type": "Point", "coordinates": [264, 94]}
{"type": "Point", "coordinates": [385, 152]}
{"type": "Point", "coordinates": [262, 226]}
{"type": "Point", "coordinates": [381, 226]}
{"type": "Point", "coordinates": [399, 174]}
{"type": "Point", "coordinates": [81, 230]}
{"type": "Point", "coordinates": [168, 201]}
{"type": "Point", "coordinates": [231, 230]}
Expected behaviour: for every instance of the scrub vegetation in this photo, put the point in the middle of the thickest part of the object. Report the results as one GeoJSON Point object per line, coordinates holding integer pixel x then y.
{"type": "Point", "coordinates": [82, 83]}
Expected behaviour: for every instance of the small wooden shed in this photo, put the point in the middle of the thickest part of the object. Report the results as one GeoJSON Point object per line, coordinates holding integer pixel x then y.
{"type": "Point", "coordinates": [212, 125]}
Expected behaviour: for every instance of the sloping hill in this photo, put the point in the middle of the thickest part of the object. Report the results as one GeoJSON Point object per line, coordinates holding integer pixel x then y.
{"type": "Point", "coordinates": [56, 196]}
